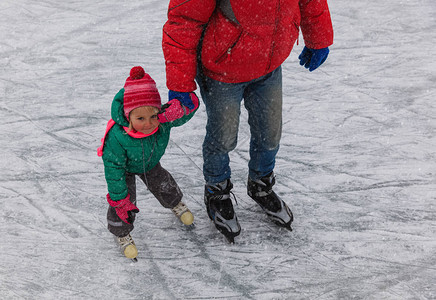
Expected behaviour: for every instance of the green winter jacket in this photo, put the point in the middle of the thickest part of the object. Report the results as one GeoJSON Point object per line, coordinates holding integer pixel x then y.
{"type": "Point", "coordinates": [123, 153]}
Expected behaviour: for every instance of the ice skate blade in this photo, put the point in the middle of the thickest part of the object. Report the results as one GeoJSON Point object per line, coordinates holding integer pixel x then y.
{"type": "Point", "coordinates": [230, 239]}
{"type": "Point", "coordinates": [135, 260]}
{"type": "Point", "coordinates": [288, 227]}
{"type": "Point", "coordinates": [285, 226]}
{"type": "Point", "coordinates": [229, 236]}
{"type": "Point", "coordinates": [190, 227]}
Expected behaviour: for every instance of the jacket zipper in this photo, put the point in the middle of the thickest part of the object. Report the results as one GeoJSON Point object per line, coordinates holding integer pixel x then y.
{"type": "Point", "coordinates": [276, 25]}
{"type": "Point", "coordinates": [149, 158]}
{"type": "Point", "coordinates": [226, 53]}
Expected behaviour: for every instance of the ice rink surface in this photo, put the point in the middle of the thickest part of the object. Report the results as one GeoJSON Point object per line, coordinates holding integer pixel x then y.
{"type": "Point", "coordinates": [357, 163]}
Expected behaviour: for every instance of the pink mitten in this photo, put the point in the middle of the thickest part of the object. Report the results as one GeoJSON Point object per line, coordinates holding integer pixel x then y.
{"type": "Point", "coordinates": [124, 208]}
{"type": "Point", "coordinates": [175, 110]}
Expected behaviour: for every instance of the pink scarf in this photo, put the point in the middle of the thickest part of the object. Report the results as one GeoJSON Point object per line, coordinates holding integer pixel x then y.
{"type": "Point", "coordinates": [133, 133]}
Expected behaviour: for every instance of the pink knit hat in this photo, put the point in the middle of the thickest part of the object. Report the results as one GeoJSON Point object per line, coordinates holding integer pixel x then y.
{"type": "Point", "coordinates": [140, 90]}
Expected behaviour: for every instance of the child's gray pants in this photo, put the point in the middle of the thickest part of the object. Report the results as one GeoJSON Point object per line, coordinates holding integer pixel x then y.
{"type": "Point", "coordinates": [160, 183]}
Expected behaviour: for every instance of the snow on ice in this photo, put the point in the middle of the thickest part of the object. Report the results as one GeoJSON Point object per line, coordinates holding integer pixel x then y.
{"type": "Point", "coordinates": [357, 164]}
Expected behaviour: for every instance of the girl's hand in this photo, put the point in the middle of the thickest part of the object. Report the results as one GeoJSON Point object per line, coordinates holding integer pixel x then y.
{"type": "Point", "coordinates": [174, 109]}
{"type": "Point", "coordinates": [124, 208]}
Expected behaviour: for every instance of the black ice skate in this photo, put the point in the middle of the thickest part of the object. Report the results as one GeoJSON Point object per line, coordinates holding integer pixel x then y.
{"type": "Point", "coordinates": [220, 209]}
{"type": "Point", "coordinates": [261, 192]}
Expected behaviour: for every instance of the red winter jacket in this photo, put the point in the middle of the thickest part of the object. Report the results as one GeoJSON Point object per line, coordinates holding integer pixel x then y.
{"type": "Point", "coordinates": [231, 52]}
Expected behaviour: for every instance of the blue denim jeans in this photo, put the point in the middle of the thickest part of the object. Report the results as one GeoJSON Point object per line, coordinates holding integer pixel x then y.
{"type": "Point", "coordinates": [263, 101]}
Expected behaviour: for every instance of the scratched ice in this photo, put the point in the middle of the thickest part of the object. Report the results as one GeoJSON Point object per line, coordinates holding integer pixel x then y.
{"type": "Point", "coordinates": [357, 163]}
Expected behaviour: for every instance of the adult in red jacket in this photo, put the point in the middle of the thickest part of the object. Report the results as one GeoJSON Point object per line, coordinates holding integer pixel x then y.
{"type": "Point", "coordinates": [234, 50]}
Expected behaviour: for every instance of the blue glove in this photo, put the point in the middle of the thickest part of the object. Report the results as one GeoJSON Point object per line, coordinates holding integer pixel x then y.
{"type": "Point", "coordinates": [183, 97]}
{"type": "Point", "coordinates": [313, 58]}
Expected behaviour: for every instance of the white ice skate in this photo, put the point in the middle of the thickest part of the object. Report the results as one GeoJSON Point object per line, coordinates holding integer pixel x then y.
{"type": "Point", "coordinates": [127, 246]}
{"type": "Point", "coordinates": [183, 213]}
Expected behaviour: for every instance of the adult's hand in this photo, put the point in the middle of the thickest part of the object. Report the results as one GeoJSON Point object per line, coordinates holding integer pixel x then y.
{"type": "Point", "coordinates": [183, 97]}
{"type": "Point", "coordinates": [313, 58]}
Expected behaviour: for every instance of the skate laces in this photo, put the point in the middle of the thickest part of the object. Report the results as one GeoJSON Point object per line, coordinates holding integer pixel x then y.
{"type": "Point", "coordinates": [180, 209]}
{"type": "Point", "coordinates": [125, 241]}
{"type": "Point", "coordinates": [183, 213]}
{"type": "Point", "coordinates": [221, 191]}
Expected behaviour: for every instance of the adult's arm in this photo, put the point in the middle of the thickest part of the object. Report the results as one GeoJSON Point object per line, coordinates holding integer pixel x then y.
{"type": "Point", "coordinates": [181, 35]}
{"type": "Point", "coordinates": [316, 24]}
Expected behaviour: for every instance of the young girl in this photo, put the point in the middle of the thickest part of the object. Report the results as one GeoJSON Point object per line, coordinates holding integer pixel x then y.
{"type": "Point", "coordinates": [136, 138]}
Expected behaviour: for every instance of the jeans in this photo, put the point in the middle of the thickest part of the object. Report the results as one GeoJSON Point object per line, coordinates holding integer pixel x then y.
{"type": "Point", "coordinates": [263, 101]}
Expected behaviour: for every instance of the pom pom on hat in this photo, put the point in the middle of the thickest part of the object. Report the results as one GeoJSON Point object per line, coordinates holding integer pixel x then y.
{"type": "Point", "coordinates": [140, 90]}
{"type": "Point", "coordinates": [137, 72]}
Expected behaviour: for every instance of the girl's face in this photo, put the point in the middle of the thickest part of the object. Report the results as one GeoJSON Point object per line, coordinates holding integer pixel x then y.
{"type": "Point", "coordinates": [144, 119]}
